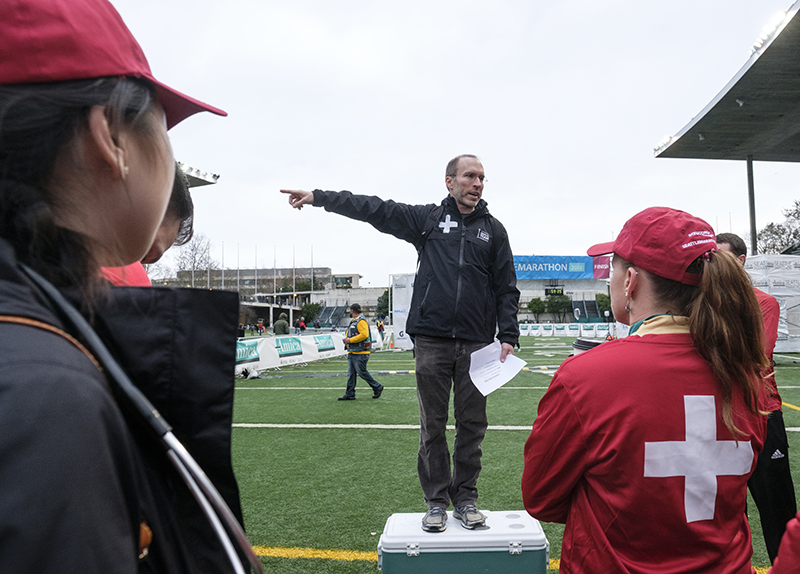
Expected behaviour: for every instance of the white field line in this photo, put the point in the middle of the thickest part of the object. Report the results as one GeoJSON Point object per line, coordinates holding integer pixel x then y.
{"type": "Point", "coordinates": [358, 426]}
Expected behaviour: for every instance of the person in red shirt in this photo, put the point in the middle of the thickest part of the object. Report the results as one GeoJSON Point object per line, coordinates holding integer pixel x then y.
{"type": "Point", "coordinates": [771, 483]}
{"type": "Point", "coordinates": [788, 559]}
{"type": "Point", "coordinates": [643, 445]}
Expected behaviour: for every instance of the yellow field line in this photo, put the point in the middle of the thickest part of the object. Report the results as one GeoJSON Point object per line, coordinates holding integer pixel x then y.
{"type": "Point", "coordinates": [351, 555]}
{"type": "Point", "coordinates": [334, 554]}
{"type": "Point", "coordinates": [314, 553]}
{"type": "Point", "coordinates": [791, 406]}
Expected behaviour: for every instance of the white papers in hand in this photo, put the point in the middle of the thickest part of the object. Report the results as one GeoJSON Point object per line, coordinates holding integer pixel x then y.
{"type": "Point", "coordinates": [488, 373]}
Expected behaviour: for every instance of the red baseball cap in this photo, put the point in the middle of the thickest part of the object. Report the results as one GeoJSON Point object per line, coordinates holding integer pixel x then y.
{"type": "Point", "coordinates": [662, 241]}
{"type": "Point", "coordinates": [60, 40]}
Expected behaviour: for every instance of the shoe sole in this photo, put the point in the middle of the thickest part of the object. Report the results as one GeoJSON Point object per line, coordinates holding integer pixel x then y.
{"type": "Point", "coordinates": [434, 528]}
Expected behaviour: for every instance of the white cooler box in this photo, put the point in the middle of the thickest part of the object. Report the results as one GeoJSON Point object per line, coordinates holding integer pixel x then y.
{"type": "Point", "coordinates": [512, 542]}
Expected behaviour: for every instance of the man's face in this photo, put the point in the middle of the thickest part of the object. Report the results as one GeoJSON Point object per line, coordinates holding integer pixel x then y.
{"type": "Point", "coordinates": [466, 186]}
{"type": "Point", "coordinates": [727, 247]}
{"type": "Point", "coordinates": [165, 237]}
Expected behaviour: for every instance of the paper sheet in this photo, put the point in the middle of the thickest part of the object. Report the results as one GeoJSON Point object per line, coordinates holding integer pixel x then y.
{"type": "Point", "coordinates": [488, 373]}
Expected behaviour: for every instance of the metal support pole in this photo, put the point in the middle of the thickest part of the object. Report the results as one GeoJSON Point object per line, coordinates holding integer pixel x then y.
{"type": "Point", "coordinates": [751, 194]}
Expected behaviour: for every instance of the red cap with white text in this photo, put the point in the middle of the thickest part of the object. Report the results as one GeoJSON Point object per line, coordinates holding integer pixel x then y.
{"type": "Point", "coordinates": [60, 40]}
{"type": "Point", "coordinates": [662, 241]}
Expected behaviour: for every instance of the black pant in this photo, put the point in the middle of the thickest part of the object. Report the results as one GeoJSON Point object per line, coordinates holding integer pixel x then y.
{"type": "Point", "coordinates": [442, 364]}
{"type": "Point", "coordinates": [771, 485]}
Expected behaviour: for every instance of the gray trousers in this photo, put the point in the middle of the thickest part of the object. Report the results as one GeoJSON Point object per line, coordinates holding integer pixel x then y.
{"type": "Point", "coordinates": [442, 364]}
{"type": "Point", "coordinates": [357, 366]}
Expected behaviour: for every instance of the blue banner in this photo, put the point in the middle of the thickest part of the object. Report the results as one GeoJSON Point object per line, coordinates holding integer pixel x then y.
{"type": "Point", "coordinates": [553, 267]}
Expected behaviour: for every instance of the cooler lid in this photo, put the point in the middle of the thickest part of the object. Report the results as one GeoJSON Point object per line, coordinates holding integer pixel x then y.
{"type": "Point", "coordinates": [503, 528]}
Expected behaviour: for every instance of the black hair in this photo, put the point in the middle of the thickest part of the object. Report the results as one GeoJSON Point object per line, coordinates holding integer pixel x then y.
{"type": "Point", "coordinates": [181, 207]}
{"type": "Point", "coordinates": [37, 123]}
{"type": "Point", "coordinates": [738, 246]}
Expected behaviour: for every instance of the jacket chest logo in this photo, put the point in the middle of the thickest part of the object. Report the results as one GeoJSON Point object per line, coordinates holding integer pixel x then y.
{"type": "Point", "coordinates": [483, 235]}
{"type": "Point", "coordinates": [447, 225]}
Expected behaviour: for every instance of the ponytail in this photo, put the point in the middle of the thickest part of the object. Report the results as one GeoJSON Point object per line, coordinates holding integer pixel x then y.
{"type": "Point", "coordinates": [728, 331]}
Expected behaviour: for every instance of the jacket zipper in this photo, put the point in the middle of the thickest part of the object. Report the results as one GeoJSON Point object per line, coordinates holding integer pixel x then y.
{"type": "Point", "coordinates": [460, 266]}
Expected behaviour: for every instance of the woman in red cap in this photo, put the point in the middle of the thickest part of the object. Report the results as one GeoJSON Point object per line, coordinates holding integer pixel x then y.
{"type": "Point", "coordinates": [86, 170]}
{"type": "Point", "coordinates": [643, 445]}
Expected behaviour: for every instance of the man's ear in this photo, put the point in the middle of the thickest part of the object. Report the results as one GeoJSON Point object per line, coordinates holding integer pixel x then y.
{"type": "Point", "coordinates": [448, 182]}
{"type": "Point", "coordinates": [107, 148]}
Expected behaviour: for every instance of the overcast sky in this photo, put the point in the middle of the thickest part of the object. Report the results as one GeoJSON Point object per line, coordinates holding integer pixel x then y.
{"type": "Point", "coordinates": [562, 101]}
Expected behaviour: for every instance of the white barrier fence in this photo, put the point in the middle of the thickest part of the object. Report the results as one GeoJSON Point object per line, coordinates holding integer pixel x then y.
{"type": "Point", "coordinates": [779, 275]}
{"type": "Point", "coordinates": [574, 330]}
{"type": "Point", "coordinates": [260, 353]}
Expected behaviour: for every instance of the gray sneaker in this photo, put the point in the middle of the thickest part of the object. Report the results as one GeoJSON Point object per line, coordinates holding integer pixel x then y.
{"type": "Point", "coordinates": [469, 516]}
{"type": "Point", "coordinates": [435, 520]}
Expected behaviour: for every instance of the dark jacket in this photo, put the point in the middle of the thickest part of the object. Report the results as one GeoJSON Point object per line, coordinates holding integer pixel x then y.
{"type": "Point", "coordinates": [281, 326]}
{"type": "Point", "coordinates": [78, 474]}
{"type": "Point", "coordinates": [466, 286]}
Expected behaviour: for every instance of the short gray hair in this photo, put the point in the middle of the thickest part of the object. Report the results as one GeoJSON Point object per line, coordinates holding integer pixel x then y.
{"type": "Point", "coordinates": [452, 166]}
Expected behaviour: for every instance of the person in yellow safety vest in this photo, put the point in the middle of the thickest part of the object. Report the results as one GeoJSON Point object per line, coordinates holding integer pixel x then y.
{"type": "Point", "coordinates": [358, 342]}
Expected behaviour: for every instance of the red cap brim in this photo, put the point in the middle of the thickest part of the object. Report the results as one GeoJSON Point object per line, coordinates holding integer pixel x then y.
{"type": "Point", "coordinates": [178, 106]}
{"type": "Point", "coordinates": [601, 249]}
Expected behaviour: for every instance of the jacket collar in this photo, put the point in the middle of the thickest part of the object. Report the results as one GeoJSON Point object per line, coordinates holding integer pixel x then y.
{"type": "Point", "coordinates": [662, 325]}
{"type": "Point", "coordinates": [451, 206]}
{"type": "Point", "coordinates": [17, 295]}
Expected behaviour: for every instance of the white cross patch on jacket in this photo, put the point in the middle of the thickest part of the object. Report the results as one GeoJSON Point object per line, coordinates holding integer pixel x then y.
{"type": "Point", "coordinates": [701, 458]}
{"type": "Point", "coordinates": [447, 225]}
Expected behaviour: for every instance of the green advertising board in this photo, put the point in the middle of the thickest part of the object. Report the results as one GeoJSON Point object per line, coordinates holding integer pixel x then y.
{"type": "Point", "coordinates": [288, 346]}
{"type": "Point", "coordinates": [324, 343]}
{"type": "Point", "coordinates": [247, 352]}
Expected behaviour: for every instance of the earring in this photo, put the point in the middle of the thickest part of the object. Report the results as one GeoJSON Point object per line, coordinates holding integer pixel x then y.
{"type": "Point", "coordinates": [628, 307]}
{"type": "Point", "coordinates": [125, 171]}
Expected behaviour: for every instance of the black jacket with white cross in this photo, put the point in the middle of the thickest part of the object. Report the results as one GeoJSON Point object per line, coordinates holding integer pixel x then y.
{"type": "Point", "coordinates": [466, 286]}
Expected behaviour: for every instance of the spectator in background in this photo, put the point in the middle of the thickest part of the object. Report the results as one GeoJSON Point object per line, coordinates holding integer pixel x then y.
{"type": "Point", "coordinates": [358, 342]}
{"type": "Point", "coordinates": [176, 229]}
{"type": "Point", "coordinates": [281, 326]}
{"type": "Point", "coordinates": [771, 483]}
{"type": "Point", "coordinates": [661, 428]}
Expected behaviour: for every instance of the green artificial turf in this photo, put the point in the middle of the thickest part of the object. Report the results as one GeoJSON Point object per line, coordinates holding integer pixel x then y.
{"type": "Point", "coordinates": [333, 489]}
